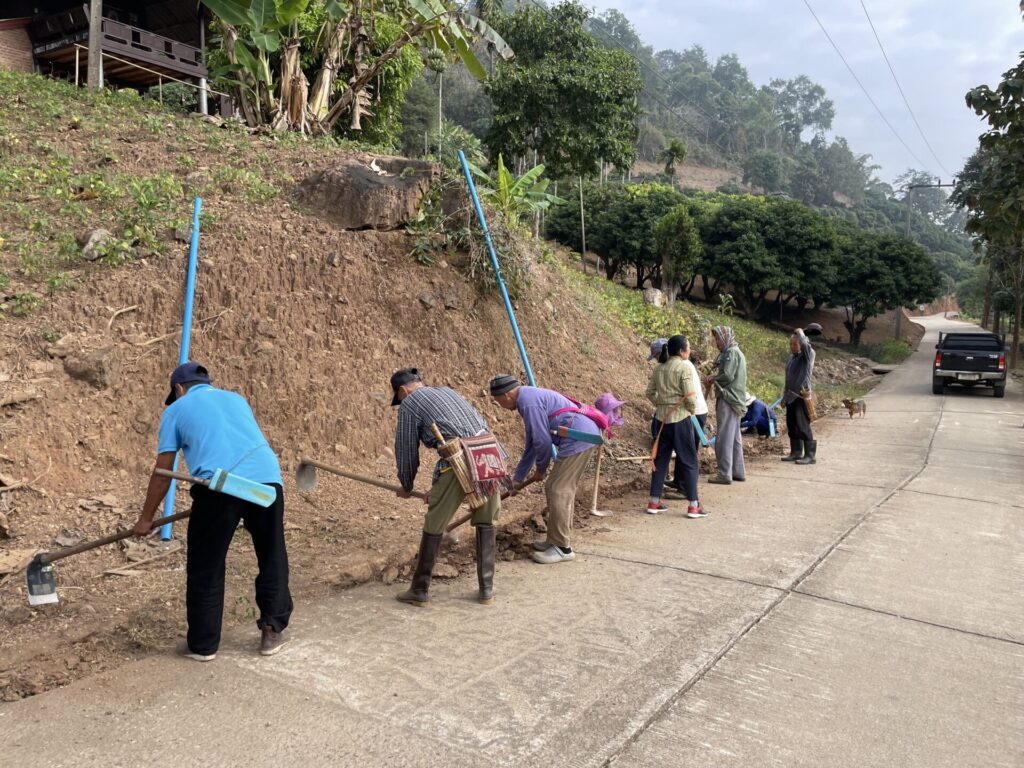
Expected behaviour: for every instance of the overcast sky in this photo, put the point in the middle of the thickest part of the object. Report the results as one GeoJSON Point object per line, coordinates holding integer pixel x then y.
{"type": "Point", "coordinates": [939, 49]}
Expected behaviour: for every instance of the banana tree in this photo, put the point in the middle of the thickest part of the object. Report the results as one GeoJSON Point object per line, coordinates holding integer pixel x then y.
{"type": "Point", "coordinates": [514, 198]}
{"type": "Point", "coordinates": [254, 31]}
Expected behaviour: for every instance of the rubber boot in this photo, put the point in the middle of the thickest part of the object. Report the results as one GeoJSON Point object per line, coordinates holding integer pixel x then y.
{"type": "Point", "coordinates": [485, 536]}
{"type": "Point", "coordinates": [796, 450]}
{"type": "Point", "coordinates": [812, 447]}
{"type": "Point", "coordinates": [416, 595]}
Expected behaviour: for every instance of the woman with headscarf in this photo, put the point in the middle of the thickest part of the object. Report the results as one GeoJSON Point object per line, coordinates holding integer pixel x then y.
{"type": "Point", "coordinates": [672, 390]}
{"type": "Point", "coordinates": [731, 389]}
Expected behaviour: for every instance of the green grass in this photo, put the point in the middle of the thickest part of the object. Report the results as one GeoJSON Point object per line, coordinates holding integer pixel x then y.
{"type": "Point", "coordinates": [890, 352]}
{"type": "Point", "coordinates": [766, 350]}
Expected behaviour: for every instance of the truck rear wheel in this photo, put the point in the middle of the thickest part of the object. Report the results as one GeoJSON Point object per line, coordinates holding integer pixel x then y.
{"type": "Point", "coordinates": [999, 390]}
{"type": "Point", "coordinates": [938, 386]}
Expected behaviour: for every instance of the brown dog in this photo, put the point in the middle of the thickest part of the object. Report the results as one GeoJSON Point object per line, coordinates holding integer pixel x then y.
{"type": "Point", "coordinates": [856, 406]}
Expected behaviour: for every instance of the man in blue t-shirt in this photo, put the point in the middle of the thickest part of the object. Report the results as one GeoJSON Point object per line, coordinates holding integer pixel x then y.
{"type": "Point", "coordinates": [216, 429]}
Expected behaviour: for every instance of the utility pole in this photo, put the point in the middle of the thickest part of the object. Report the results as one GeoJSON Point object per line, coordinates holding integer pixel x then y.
{"type": "Point", "coordinates": [583, 228]}
{"type": "Point", "coordinates": [910, 197]}
{"type": "Point", "coordinates": [95, 71]}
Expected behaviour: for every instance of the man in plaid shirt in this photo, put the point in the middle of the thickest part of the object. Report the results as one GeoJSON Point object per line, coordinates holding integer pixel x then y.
{"type": "Point", "coordinates": [419, 407]}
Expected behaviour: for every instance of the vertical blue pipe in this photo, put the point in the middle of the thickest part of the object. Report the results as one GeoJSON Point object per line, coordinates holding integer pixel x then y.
{"type": "Point", "coordinates": [186, 340]}
{"type": "Point", "coordinates": [497, 269]}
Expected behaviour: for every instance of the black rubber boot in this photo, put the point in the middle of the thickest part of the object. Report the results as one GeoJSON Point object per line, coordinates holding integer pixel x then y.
{"type": "Point", "coordinates": [416, 594]}
{"type": "Point", "coordinates": [796, 450]}
{"type": "Point", "coordinates": [485, 536]}
{"type": "Point", "coordinates": [812, 448]}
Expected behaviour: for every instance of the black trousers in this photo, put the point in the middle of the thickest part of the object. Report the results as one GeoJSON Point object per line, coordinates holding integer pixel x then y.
{"type": "Point", "coordinates": [797, 423]}
{"type": "Point", "coordinates": [215, 517]}
{"type": "Point", "coordinates": [677, 437]}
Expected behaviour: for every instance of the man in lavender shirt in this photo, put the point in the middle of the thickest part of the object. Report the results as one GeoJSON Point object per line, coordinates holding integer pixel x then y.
{"type": "Point", "coordinates": [543, 412]}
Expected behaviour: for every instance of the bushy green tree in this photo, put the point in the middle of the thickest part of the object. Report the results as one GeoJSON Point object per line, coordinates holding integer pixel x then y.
{"type": "Point", "coordinates": [564, 96]}
{"type": "Point", "coordinates": [678, 243]}
{"type": "Point", "coordinates": [878, 273]}
{"type": "Point", "coordinates": [766, 170]}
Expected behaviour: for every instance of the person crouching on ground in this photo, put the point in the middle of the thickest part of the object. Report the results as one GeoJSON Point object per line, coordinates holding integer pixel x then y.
{"type": "Point", "coordinates": [758, 418]}
{"type": "Point", "coordinates": [216, 429]}
{"type": "Point", "coordinates": [730, 382]}
{"type": "Point", "coordinates": [419, 408]}
{"type": "Point", "coordinates": [799, 369]}
{"type": "Point", "coordinates": [672, 390]}
{"type": "Point", "coordinates": [543, 412]}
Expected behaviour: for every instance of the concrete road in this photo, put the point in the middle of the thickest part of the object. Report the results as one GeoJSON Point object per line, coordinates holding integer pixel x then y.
{"type": "Point", "coordinates": [867, 611]}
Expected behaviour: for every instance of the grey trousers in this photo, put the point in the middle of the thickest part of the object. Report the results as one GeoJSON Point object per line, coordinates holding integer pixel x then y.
{"type": "Point", "coordinates": [729, 442]}
{"type": "Point", "coordinates": [560, 488]}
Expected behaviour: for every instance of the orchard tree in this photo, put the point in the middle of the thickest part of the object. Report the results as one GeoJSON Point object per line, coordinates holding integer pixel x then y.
{"type": "Point", "coordinates": [804, 244]}
{"type": "Point", "coordinates": [564, 97]}
{"type": "Point", "coordinates": [878, 273]}
{"type": "Point", "coordinates": [678, 243]}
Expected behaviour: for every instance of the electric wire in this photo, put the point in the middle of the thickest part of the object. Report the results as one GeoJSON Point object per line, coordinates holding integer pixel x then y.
{"type": "Point", "coordinates": [881, 114]}
{"type": "Point", "coordinates": [899, 87]}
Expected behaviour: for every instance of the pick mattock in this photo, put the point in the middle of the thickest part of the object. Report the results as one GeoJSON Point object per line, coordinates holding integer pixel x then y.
{"type": "Point", "coordinates": [42, 586]}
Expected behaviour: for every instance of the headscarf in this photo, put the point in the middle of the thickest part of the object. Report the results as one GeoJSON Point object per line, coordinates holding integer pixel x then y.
{"type": "Point", "coordinates": [725, 335]}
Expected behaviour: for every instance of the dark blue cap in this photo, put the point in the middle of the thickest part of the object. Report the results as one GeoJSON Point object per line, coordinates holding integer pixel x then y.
{"type": "Point", "coordinates": [188, 373]}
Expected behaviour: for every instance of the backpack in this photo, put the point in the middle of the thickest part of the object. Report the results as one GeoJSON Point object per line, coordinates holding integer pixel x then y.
{"type": "Point", "coordinates": [589, 411]}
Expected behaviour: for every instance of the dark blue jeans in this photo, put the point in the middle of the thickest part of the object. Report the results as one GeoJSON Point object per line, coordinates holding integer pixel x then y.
{"type": "Point", "coordinates": [679, 437]}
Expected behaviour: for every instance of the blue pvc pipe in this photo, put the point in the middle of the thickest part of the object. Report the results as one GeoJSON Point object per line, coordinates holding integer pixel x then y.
{"type": "Point", "coordinates": [497, 269]}
{"type": "Point", "coordinates": [497, 275]}
{"type": "Point", "coordinates": [186, 340]}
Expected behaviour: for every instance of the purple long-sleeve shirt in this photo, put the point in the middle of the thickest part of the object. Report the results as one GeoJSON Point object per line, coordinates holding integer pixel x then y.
{"type": "Point", "coordinates": [535, 405]}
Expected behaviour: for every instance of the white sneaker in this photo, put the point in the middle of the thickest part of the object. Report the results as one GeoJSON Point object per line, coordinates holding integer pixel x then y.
{"type": "Point", "coordinates": [183, 650]}
{"type": "Point", "coordinates": [540, 545]}
{"type": "Point", "coordinates": [553, 555]}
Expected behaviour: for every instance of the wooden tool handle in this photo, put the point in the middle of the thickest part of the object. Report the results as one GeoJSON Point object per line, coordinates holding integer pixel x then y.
{"type": "Point", "coordinates": [181, 476]}
{"type": "Point", "coordinates": [85, 546]}
{"type": "Point", "coordinates": [462, 520]}
{"type": "Point", "coordinates": [358, 478]}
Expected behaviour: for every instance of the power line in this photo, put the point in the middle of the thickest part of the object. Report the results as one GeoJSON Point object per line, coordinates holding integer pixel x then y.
{"type": "Point", "coordinates": [900, 88]}
{"type": "Point", "coordinates": [865, 90]}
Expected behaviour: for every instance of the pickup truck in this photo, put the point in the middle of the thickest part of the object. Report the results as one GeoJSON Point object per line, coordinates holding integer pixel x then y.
{"type": "Point", "coordinates": [970, 360]}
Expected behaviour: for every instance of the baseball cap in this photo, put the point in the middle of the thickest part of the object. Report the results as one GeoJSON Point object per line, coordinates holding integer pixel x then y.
{"type": "Point", "coordinates": [656, 346]}
{"type": "Point", "coordinates": [400, 378]}
{"type": "Point", "coordinates": [188, 373]}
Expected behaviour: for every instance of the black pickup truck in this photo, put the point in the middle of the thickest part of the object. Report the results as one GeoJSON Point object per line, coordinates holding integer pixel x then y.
{"type": "Point", "coordinates": [970, 360]}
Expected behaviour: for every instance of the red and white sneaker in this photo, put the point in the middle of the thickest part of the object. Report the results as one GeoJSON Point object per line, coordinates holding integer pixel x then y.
{"type": "Point", "coordinates": [695, 512]}
{"type": "Point", "coordinates": [654, 509]}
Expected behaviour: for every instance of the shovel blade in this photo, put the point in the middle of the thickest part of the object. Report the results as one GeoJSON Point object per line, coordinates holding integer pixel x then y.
{"type": "Point", "coordinates": [305, 477]}
{"type": "Point", "coordinates": [42, 586]}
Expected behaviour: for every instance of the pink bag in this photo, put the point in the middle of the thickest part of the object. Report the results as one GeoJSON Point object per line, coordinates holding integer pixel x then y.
{"type": "Point", "coordinates": [592, 413]}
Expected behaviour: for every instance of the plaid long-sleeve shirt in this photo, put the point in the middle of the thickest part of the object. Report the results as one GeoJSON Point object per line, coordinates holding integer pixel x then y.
{"type": "Point", "coordinates": [421, 408]}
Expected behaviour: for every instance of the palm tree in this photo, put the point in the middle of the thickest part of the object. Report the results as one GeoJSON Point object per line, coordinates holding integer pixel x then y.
{"type": "Point", "coordinates": [674, 153]}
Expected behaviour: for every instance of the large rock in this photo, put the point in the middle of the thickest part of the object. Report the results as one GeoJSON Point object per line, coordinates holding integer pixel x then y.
{"type": "Point", "coordinates": [369, 191]}
{"type": "Point", "coordinates": [100, 367]}
{"type": "Point", "coordinates": [654, 297]}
